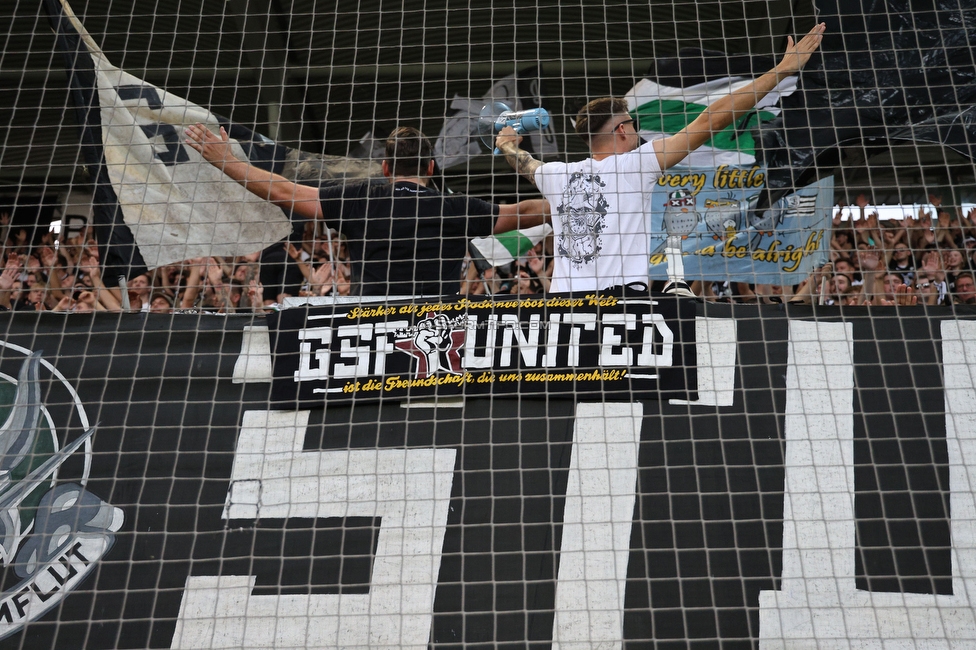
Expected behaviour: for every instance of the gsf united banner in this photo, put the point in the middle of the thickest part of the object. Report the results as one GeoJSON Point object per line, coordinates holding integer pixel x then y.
{"type": "Point", "coordinates": [200, 515]}
{"type": "Point", "coordinates": [733, 241]}
{"type": "Point", "coordinates": [615, 343]}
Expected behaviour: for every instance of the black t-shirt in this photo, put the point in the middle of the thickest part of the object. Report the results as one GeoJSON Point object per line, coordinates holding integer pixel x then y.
{"type": "Point", "coordinates": [406, 238]}
{"type": "Point", "coordinates": [907, 272]}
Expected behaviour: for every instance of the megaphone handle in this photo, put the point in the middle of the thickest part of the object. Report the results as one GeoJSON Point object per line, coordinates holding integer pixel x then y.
{"type": "Point", "coordinates": [497, 152]}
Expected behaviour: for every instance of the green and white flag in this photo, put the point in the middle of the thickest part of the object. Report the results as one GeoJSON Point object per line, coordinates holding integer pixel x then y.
{"type": "Point", "coordinates": [721, 183]}
{"type": "Point", "coordinates": [506, 247]}
{"type": "Point", "coordinates": [678, 89]}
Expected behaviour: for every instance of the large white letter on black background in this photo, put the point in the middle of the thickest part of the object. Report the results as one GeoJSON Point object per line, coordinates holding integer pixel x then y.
{"type": "Point", "coordinates": [818, 606]}
{"type": "Point", "coordinates": [410, 489]}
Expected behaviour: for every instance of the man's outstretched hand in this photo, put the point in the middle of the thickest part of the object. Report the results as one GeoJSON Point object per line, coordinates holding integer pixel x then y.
{"type": "Point", "coordinates": [214, 149]}
{"type": "Point", "coordinates": [797, 54]}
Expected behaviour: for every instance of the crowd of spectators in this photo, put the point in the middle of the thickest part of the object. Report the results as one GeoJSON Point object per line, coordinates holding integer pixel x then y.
{"type": "Point", "coordinates": [925, 259]}
{"type": "Point", "coordinates": [527, 275]}
{"type": "Point", "coordinates": [66, 275]}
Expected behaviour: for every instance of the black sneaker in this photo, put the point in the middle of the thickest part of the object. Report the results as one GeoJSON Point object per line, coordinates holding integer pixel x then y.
{"type": "Point", "coordinates": [679, 288]}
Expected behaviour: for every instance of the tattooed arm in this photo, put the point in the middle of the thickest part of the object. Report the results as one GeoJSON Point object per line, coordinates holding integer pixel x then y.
{"type": "Point", "coordinates": [521, 161]}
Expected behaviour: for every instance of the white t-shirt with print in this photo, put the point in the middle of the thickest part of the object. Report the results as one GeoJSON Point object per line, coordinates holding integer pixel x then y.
{"type": "Point", "coordinates": [600, 218]}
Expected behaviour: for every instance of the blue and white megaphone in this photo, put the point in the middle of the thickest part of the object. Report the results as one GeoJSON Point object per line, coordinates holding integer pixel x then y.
{"type": "Point", "coordinates": [496, 116]}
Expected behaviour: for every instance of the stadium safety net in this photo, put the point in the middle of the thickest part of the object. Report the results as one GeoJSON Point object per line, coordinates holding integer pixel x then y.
{"type": "Point", "coordinates": [264, 384]}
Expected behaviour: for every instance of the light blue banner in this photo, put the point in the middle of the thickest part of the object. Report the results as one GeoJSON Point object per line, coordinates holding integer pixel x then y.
{"type": "Point", "coordinates": [731, 242]}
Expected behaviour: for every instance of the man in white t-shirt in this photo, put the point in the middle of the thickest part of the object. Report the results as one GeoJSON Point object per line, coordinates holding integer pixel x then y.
{"type": "Point", "coordinates": [599, 205]}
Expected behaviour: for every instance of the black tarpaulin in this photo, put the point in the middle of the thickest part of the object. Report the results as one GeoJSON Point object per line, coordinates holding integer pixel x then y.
{"type": "Point", "coordinates": [886, 71]}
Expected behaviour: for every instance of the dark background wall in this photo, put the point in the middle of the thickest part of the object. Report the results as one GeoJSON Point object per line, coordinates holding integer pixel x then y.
{"type": "Point", "coordinates": [324, 74]}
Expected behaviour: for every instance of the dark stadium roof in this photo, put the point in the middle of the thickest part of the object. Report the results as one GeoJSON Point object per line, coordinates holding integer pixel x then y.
{"type": "Point", "coordinates": [338, 70]}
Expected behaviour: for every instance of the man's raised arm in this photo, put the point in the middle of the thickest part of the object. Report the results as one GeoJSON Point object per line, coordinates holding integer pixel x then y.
{"type": "Point", "coordinates": [521, 161]}
{"type": "Point", "coordinates": [293, 197]}
{"type": "Point", "coordinates": [723, 112]}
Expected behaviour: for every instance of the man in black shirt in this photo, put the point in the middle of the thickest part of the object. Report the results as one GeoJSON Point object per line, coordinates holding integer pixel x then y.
{"type": "Point", "coordinates": [408, 238]}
